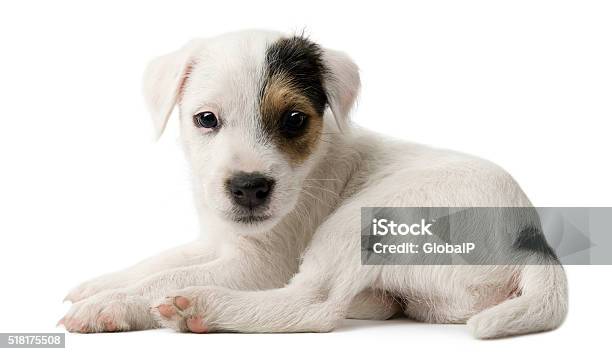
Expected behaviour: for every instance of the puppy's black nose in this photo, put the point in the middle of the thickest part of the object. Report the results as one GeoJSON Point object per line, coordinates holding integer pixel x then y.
{"type": "Point", "coordinates": [250, 189]}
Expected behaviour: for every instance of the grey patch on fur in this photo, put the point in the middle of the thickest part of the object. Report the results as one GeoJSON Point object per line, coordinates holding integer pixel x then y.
{"type": "Point", "coordinates": [532, 239]}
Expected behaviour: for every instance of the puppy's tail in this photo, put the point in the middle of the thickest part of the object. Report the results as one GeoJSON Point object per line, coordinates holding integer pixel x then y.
{"type": "Point", "coordinates": [541, 306]}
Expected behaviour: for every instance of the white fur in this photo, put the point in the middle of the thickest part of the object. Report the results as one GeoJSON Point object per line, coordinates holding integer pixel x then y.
{"type": "Point", "coordinates": [301, 270]}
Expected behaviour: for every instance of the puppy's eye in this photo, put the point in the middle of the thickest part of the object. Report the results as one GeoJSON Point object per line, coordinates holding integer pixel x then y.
{"type": "Point", "coordinates": [293, 122]}
{"type": "Point", "coordinates": [205, 120]}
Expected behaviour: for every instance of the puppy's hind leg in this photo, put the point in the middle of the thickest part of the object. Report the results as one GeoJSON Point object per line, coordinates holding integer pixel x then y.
{"type": "Point", "coordinates": [542, 305]}
{"type": "Point", "coordinates": [371, 304]}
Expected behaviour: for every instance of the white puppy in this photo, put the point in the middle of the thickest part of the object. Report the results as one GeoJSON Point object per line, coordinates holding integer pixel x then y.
{"type": "Point", "coordinates": [280, 176]}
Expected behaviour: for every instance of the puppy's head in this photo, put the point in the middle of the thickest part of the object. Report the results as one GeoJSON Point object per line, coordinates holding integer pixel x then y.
{"type": "Point", "coordinates": [254, 108]}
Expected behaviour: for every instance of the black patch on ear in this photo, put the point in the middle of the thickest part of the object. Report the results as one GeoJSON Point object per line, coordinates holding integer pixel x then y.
{"type": "Point", "coordinates": [301, 61]}
{"type": "Point", "coordinates": [532, 239]}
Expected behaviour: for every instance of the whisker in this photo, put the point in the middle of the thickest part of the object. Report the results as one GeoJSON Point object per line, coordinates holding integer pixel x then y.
{"type": "Point", "coordinates": [321, 179]}
{"type": "Point", "coordinates": [312, 196]}
{"type": "Point", "coordinates": [323, 189]}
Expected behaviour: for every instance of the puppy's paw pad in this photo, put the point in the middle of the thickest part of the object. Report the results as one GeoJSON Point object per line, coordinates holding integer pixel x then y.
{"type": "Point", "coordinates": [166, 311]}
{"type": "Point", "coordinates": [110, 327]}
{"type": "Point", "coordinates": [196, 325]}
{"type": "Point", "coordinates": [114, 318]}
{"type": "Point", "coordinates": [179, 313]}
{"type": "Point", "coordinates": [182, 302]}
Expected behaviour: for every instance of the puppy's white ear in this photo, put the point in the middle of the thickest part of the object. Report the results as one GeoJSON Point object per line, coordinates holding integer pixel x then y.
{"type": "Point", "coordinates": [163, 81]}
{"type": "Point", "coordinates": [342, 85]}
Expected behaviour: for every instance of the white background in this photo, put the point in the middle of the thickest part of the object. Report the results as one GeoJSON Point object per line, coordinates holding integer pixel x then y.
{"type": "Point", "coordinates": [84, 189]}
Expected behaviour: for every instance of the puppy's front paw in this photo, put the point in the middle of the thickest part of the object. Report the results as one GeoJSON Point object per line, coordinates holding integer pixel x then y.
{"type": "Point", "coordinates": [109, 311]}
{"type": "Point", "coordinates": [92, 287]}
{"type": "Point", "coordinates": [184, 310]}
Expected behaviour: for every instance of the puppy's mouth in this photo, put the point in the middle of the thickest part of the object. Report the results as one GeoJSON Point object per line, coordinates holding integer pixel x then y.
{"type": "Point", "coordinates": [249, 218]}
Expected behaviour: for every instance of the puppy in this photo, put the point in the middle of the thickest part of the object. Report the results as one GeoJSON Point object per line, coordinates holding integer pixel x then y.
{"type": "Point", "coordinates": [280, 176]}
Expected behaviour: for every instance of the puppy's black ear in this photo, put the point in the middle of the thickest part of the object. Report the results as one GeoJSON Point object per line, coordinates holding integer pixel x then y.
{"type": "Point", "coordinates": [163, 80]}
{"type": "Point", "coordinates": [342, 85]}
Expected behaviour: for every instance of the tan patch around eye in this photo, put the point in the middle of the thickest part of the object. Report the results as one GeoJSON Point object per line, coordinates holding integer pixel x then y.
{"type": "Point", "coordinates": [279, 96]}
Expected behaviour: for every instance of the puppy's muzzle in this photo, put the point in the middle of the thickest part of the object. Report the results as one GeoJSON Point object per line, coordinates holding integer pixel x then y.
{"type": "Point", "coordinates": [250, 190]}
